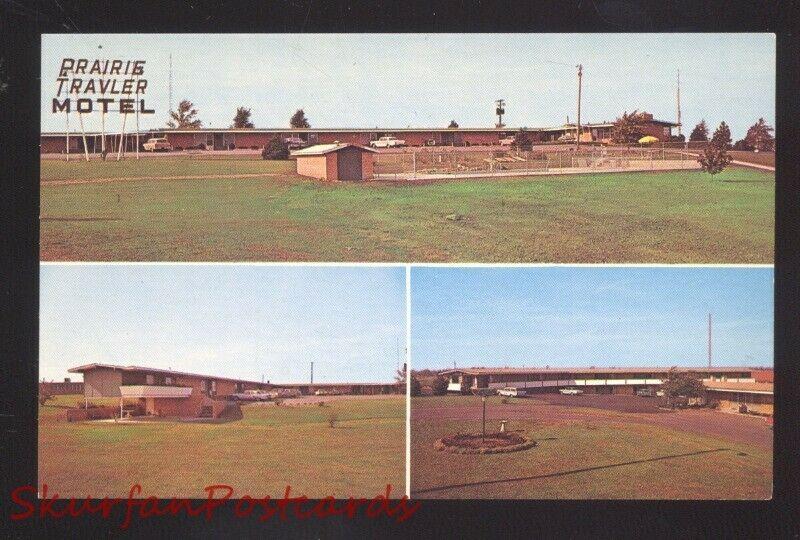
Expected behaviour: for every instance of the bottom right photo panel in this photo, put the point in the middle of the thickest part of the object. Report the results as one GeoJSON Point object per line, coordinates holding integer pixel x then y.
{"type": "Point", "coordinates": [578, 382]}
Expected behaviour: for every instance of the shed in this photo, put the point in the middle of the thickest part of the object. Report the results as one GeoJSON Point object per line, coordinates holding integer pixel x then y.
{"type": "Point", "coordinates": [337, 161]}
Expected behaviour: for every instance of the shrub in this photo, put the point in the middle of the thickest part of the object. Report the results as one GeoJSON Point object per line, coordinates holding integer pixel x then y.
{"type": "Point", "coordinates": [742, 144]}
{"type": "Point", "coordinates": [275, 149]}
{"type": "Point", "coordinates": [714, 159]}
{"type": "Point", "coordinates": [332, 419]}
{"type": "Point", "coordinates": [439, 386]}
{"type": "Point", "coordinates": [44, 397]}
{"type": "Point", "coordinates": [416, 387]}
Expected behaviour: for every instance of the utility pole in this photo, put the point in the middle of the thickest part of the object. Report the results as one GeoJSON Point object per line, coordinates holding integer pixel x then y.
{"type": "Point", "coordinates": [709, 341]}
{"type": "Point", "coordinates": [170, 82]}
{"type": "Point", "coordinates": [312, 372]}
{"type": "Point", "coordinates": [578, 125]}
{"type": "Point", "coordinates": [678, 102]}
{"type": "Point", "coordinates": [500, 111]}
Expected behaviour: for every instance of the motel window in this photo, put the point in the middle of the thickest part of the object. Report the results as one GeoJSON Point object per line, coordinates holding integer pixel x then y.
{"type": "Point", "coordinates": [149, 379]}
{"type": "Point", "coordinates": [168, 380]}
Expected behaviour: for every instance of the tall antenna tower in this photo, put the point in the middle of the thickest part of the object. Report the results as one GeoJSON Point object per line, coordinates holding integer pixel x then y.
{"type": "Point", "coordinates": [578, 125]}
{"type": "Point", "coordinates": [709, 341]}
{"type": "Point", "coordinates": [500, 110]}
{"type": "Point", "coordinates": [678, 101]}
{"type": "Point", "coordinates": [170, 82]}
{"type": "Point", "coordinates": [312, 372]}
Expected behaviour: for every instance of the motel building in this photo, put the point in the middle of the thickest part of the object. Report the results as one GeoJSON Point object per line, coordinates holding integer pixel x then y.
{"type": "Point", "coordinates": [590, 380]}
{"type": "Point", "coordinates": [257, 138]}
{"type": "Point", "coordinates": [167, 393]}
{"type": "Point", "coordinates": [742, 397]}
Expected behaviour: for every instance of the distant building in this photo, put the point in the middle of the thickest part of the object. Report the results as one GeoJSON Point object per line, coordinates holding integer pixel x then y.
{"type": "Point", "coordinates": [60, 388]}
{"type": "Point", "coordinates": [256, 138]}
{"type": "Point", "coordinates": [164, 392]}
{"type": "Point", "coordinates": [745, 397]}
{"type": "Point", "coordinates": [623, 380]}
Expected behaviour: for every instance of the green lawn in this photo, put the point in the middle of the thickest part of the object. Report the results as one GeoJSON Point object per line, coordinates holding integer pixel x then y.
{"type": "Point", "coordinates": [260, 454]}
{"type": "Point", "coordinates": [601, 457]}
{"type": "Point", "coordinates": [671, 217]}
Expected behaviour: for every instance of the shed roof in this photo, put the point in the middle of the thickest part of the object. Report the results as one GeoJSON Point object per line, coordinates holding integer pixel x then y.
{"type": "Point", "coordinates": [321, 149]}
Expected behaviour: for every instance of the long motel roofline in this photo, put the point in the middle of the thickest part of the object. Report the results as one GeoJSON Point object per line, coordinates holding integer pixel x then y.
{"type": "Point", "coordinates": [377, 129]}
{"type": "Point", "coordinates": [168, 372]}
{"type": "Point", "coordinates": [597, 378]}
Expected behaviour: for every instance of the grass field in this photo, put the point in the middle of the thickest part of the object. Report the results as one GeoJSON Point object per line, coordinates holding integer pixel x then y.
{"type": "Point", "coordinates": [597, 455]}
{"type": "Point", "coordinates": [672, 217]}
{"type": "Point", "coordinates": [260, 454]}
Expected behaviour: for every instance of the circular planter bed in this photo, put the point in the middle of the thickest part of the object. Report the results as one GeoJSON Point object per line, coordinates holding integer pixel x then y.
{"type": "Point", "coordinates": [475, 443]}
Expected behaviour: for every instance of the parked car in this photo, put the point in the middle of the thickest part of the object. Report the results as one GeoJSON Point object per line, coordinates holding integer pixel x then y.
{"type": "Point", "coordinates": [645, 392]}
{"type": "Point", "coordinates": [328, 392]}
{"type": "Point", "coordinates": [571, 391]}
{"type": "Point", "coordinates": [157, 144]}
{"type": "Point", "coordinates": [507, 141]}
{"type": "Point", "coordinates": [387, 141]}
{"type": "Point", "coordinates": [285, 393]}
{"type": "Point", "coordinates": [295, 142]}
{"type": "Point", "coordinates": [660, 393]}
{"type": "Point", "coordinates": [251, 395]}
{"type": "Point", "coordinates": [510, 391]}
{"type": "Point", "coordinates": [567, 137]}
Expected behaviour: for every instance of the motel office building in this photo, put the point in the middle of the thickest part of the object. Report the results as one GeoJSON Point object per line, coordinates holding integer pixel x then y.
{"type": "Point", "coordinates": [161, 392]}
{"type": "Point", "coordinates": [590, 380]}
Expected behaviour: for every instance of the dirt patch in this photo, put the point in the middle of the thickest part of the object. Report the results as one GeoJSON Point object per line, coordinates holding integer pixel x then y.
{"type": "Point", "coordinates": [476, 443]}
{"type": "Point", "coordinates": [630, 404]}
{"type": "Point", "coordinates": [71, 182]}
{"type": "Point", "coordinates": [45, 218]}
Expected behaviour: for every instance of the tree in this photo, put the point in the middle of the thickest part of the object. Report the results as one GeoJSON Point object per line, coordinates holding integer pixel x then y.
{"type": "Point", "coordinates": [416, 386]}
{"type": "Point", "coordinates": [453, 124]}
{"type": "Point", "coordinates": [275, 149]}
{"type": "Point", "coordinates": [522, 140]}
{"type": "Point", "coordinates": [629, 128]}
{"type": "Point", "coordinates": [185, 117]}
{"type": "Point", "coordinates": [700, 132]}
{"type": "Point", "coordinates": [299, 120]}
{"type": "Point", "coordinates": [242, 119]}
{"type": "Point", "coordinates": [722, 137]}
{"type": "Point", "coordinates": [714, 159]}
{"type": "Point", "coordinates": [681, 384]}
{"type": "Point", "coordinates": [759, 136]}
{"type": "Point", "coordinates": [742, 144]}
{"type": "Point", "coordinates": [439, 386]}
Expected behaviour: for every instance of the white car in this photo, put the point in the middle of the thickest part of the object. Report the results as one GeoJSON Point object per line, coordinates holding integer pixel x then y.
{"type": "Point", "coordinates": [327, 392]}
{"type": "Point", "coordinates": [252, 395]}
{"type": "Point", "coordinates": [510, 391]}
{"type": "Point", "coordinates": [571, 391]}
{"type": "Point", "coordinates": [508, 141]}
{"type": "Point", "coordinates": [157, 144]}
{"type": "Point", "coordinates": [387, 141]}
{"type": "Point", "coordinates": [294, 142]}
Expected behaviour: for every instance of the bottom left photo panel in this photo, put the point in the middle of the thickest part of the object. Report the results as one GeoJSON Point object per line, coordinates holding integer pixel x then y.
{"type": "Point", "coordinates": [258, 377]}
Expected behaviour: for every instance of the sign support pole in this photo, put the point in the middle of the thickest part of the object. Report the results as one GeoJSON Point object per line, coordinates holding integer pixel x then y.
{"type": "Point", "coordinates": [138, 103]}
{"type": "Point", "coordinates": [83, 132]}
{"type": "Point", "coordinates": [122, 137]}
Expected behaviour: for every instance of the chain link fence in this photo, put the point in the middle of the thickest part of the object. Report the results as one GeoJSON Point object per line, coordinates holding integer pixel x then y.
{"type": "Point", "coordinates": [417, 163]}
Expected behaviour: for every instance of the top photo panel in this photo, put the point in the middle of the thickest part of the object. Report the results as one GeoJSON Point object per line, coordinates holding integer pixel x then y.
{"type": "Point", "coordinates": [453, 148]}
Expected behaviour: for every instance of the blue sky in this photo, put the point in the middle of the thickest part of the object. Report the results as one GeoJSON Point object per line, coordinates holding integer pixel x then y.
{"type": "Point", "coordinates": [597, 316]}
{"type": "Point", "coordinates": [419, 80]}
{"type": "Point", "coordinates": [228, 320]}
